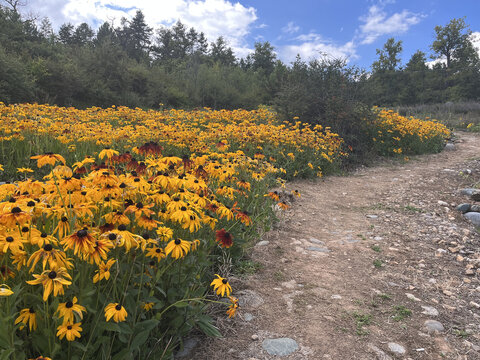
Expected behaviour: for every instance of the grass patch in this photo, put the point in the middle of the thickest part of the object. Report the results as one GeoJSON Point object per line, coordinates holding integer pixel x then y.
{"type": "Point", "coordinates": [401, 313]}
{"type": "Point", "coordinates": [376, 248]}
{"type": "Point", "coordinates": [362, 320]}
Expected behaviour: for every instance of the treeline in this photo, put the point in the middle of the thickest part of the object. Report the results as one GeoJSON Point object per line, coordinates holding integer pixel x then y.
{"type": "Point", "coordinates": [135, 65]}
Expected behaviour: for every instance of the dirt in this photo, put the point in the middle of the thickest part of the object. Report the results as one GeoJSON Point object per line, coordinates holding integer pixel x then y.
{"type": "Point", "coordinates": [338, 267]}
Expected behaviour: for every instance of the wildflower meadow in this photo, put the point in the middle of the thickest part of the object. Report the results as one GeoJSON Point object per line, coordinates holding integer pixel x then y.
{"type": "Point", "coordinates": [116, 224]}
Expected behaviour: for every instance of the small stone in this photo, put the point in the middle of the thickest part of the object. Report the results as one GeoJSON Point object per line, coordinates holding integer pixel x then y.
{"type": "Point", "coordinates": [378, 238]}
{"type": "Point", "coordinates": [263, 243]}
{"type": "Point", "coordinates": [248, 317]}
{"type": "Point", "coordinates": [463, 208]}
{"type": "Point", "coordinates": [280, 346]}
{"type": "Point", "coordinates": [379, 353]}
{"type": "Point", "coordinates": [396, 348]}
{"type": "Point", "coordinates": [475, 208]}
{"type": "Point", "coordinates": [372, 216]}
{"type": "Point", "coordinates": [412, 297]}
{"type": "Point", "coordinates": [335, 297]}
{"type": "Point", "coordinates": [447, 292]}
{"type": "Point", "coordinates": [316, 241]}
{"type": "Point", "coordinates": [254, 337]}
{"type": "Point", "coordinates": [188, 345]}
{"type": "Point", "coordinates": [249, 298]}
{"type": "Point", "coordinates": [450, 147]}
{"type": "Point", "coordinates": [442, 203]}
{"type": "Point", "coordinates": [433, 326]}
{"type": "Point", "coordinates": [474, 218]}
{"type": "Point", "coordinates": [429, 310]}
{"type": "Point", "coordinates": [318, 249]}
{"type": "Point", "coordinates": [467, 191]}
{"type": "Point", "coordinates": [474, 304]}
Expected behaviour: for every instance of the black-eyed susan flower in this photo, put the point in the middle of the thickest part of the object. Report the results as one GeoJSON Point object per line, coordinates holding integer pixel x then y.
{"type": "Point", "coordinates": [62, 228]}
{"type": "Point", "coordinates": [27, 317]}
{"type": "Point", "coordinates": [48, 254]}
{"type": "Point", "coordinates": [221, 286]}
{"type": "Point", "coordinates": [125, 238]}
{"type": "Point", "coordinates": [103, 271]}
{"type": "Point", "coordinates": [69, 330]}
{"type": "Point", "coordinates": [52, 281]}
{"type": "Point", "coordinates": [101, 248]}
{"type": "Point", "coordinates": [69, 309]}
{"type": "Point", "coordinates": [14, 216]}
{"type": "Point", "coordinates": [11, 240]}
{"type": "Point", "coordinates": [82, 242]}
{"type": "Point", "coordinates": [5, 290]}
{"type": "Point", "coordinates": [148, 306]}
{"type": "Point", "coordinates": [178, 248]}
{"type": "Point", "coordinates": [48, 159]}
{"type": "Point", "coordinates": [108, 153]}
{"type": "Point", "coordinates": [115, 311]}
{"type": "Point", "coordinates": [164, 233]}
{"type": "Point", "coordinates": [156, 252]}
{"type": "Point", "coordinates": [224, 238]}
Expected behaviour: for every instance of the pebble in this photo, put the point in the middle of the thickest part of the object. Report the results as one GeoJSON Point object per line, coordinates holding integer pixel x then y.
{"type": "Point", "coordinates": [335, 297]}
{"type": "Point", "coordinates": [379, 353]}
{"type": "Point", "coordinates": [433, 326]}
{"type": "Point", "coordinates": [396, 348]}
{"type": "Point", "coordinates": [442, 203]}
{"type": "Point", "coordinates": [463, 208]}
{"type": "Point", "coordinates": [372, 216]}
{"type": "Point", "coordinates": [316, 241]}
{"type": "Point", "coordinates": [378, 238]}
{"type": "Point", "coordinates": [248, 317]}
{"type": "Point", "coordinates": [280, 346]}
{"type": "Point", "coordinates": [254, 337]}
{"type": "Point", "coordinates": [263, 243]}
{"type": "Point", "coordinates": [474, 217]}
{"type": "Point", "coordinates": [467, 191]}
{"type": "Point", "coordinates": [412, 297]}
{"type": "Point", "coordinates": [429, 310]}
{"type": "Point", "coordinates": [249, 298]}
{"type": "Point", "coordinates": [474, 304]}
{"type": "Point", "coordinates": [319, 249]}
{"type": "Point", "coordinates": [450, 147]}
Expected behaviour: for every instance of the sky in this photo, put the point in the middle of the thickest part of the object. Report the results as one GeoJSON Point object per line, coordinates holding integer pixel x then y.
{"type": "Point", "coordinates": [335, 28]}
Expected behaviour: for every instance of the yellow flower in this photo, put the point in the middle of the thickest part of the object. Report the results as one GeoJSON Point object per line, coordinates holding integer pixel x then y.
{"type": "Point", "coordinates": [68, 309]}
{"type": "Point", "coordinates": [27, 317]}
{"type": "Point", "coordinates": [221, 286]}
{"type": "Point", "coordinates": [115, 311]}
{"type": "Point", "coordinates": [103, 271]}
{"type": "Point", "coordinates": [148, 306]}
{"type": "Point", "coordinates": [48, 159]}
{"type": "Point", "coordinates": [24, 170]}
{"type": "Point", "coordinates": [52, 280]}
{"type": "Point", "coordinates": [179, 248]}
{"type": "Point", "coordinates": [232, 309]}
{"type": "Point", "coordinates": [5, 290]}
{"type": "Point", "coordinates": [109, 153]}
{"type": "Point", "coordinates": [69, 330]}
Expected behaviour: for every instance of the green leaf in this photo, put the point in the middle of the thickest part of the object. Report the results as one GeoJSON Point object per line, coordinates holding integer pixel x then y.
{"type": "Point", "coordinates": [122, 355]}
{"type": "Point", "coordinates": [109, 326]}
{"type": "Point", "coordinates": [146, 325]}
{"type": "Point", "coordinates": [5, 354]}
{"type": "Point", "coordinates": [181, 304]}
{"type": "Point", "coordinates": [208, 328]}
{"type": "Point", "coordinates": [139, 339]}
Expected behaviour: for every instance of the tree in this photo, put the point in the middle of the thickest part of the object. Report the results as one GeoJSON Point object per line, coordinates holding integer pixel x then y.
{"type": "Point", "coordinates": [83, 34]}
{"type": "Point", "coordinates": [417, 62]}
{"type": "Point", "coordinates": [220, 52]}
{"type": "Point", "coordinates": [65, 34]}
{"type": "Point", "coordinates": [264, 57]}
{"type": "Point", "coordinates": [388, 57]}
{"type": "Point", "coordinates": [135, 36]}
{"type": "Point", "coordinates": [452, 41]}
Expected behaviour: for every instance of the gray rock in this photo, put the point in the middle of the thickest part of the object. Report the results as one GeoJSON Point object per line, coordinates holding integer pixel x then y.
{"type": "Point", "coordinates": [262, 243]}
{"type": "Point", "coordinates": [429, 310]}
{"type": "Point", "coordinates": [379, 353]}
{"type": "Point", "coordinates": [188, 345]}
{"type": "Point", "coordinates": [463, 208]}
{"type": "Point", "coordinates": [396, 348]}
{"type": "Point", "coordinates": [316, 241]}
{"type": "Point", "coordinates": [249, 298]}
{"type": "Point", "coordinates": [433, 326]}
{"type": "Point", "coordinates": [467, 191]}
{"type": "Point", "coordinates": [474, 217]}
{"type": "Point", "coordinates": [319, 249]}
{"type": "Point", "coordinates": [370, 216]}
{"type": "Point", "coordinates": [475, 195]}
{"type": "Point", "coordinates": [475, 208]}
{"type": "Point", "coordinates": [248, 317]}
{"type": "Point", "coordinates": [450, 147]}
{"type": "Point", "coordinates": [280, 346]}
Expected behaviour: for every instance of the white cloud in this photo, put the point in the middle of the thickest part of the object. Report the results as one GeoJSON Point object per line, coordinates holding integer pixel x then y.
{"type": "Point", "coordinates": [291, 28]}
{"type": "Point", "coordinates": [213, 17]}
{"type": "Point", "coordinates": [313, 46]}
{"type": "Point", "coordinates": [377, 22]}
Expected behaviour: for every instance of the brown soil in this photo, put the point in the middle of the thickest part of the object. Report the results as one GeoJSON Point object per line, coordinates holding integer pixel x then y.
{"type": "Point", "coordinates": [350, 302]}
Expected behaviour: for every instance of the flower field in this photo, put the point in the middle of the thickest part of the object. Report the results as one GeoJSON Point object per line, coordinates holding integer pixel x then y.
{"type": "Point", "coordinates": [118, 226]}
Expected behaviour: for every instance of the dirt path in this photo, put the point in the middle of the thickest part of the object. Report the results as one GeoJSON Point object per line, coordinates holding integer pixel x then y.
{"type": "Point", "coordinates": [350, 266]}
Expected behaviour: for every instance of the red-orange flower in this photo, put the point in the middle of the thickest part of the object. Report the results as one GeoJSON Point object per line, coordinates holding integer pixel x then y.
{"type": "Point", "coordinates": [224, 238]}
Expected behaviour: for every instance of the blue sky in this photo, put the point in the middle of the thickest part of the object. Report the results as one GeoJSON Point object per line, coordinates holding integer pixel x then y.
{"type": "Point", "coordinates": [337, 28]}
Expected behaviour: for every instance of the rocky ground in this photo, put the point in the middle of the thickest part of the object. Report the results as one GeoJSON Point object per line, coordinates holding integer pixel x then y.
{"type": "Point", "coordinates": [375, 265]}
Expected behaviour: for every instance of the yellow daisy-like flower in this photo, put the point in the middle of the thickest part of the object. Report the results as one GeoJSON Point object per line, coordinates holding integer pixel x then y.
{"type": "Point", "coordinates": [69, 330]}
{"type": "Point", "coordinates": [232, 309]}
{"type": "Point", "coordinates": [27, 317]}
{"type": "Point", "coordinates": [24, 170]}
{"type": "Point", "coordinates": [115, 311]}
{"type": "Point", "coordinates": [52, 280]}
{"type": "Point", "coordinates": [103, 271]}
{"type": "Point", "coordinates": [109, 153]}
{"type": "Point", "coordinates": [48, 159]}
{"type": "Point", "coordinates": [221, 286]}
{"type": "Point", "coordinates": [68, 310]}
{"type": "Point", "coordinates": [179, 248]}
{"type": "Point", "coordinates": [5, 290]}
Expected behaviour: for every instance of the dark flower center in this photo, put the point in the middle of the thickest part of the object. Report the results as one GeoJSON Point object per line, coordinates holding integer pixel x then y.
{"type": "Point", "coordinates": [52, 275]}
{"type": "Point", "coordinates": [183, 208]}
{"type": "Point", "coordinates": [177, 242]}
{"type": "Point", "coordinates": [158, 251]}
{"type": "Point", "coordinates": [48, 247]}
{"type": "Point", "coordinates": [118, 307]}
{"type": "Point", "coordinates": [112, 236]}
{"type": "Point", "coordinates": [123, 186]}
{"type": "Point", "coordinates": [12, 200]}
{"type": "Point", "coordinates": [31, 203]}
{"type": "Point", "coordinates": [122, 227]}
{"type": "Point", "coordinates": [83, 193]}
{"type": "Point", "coordinates": [224, 281]}
{"type": "Point", "coordinates": [82, 233]}
{"type": "Point", "coordinates": [139, 205]}
{"type": "Point", "coordinates": [69, 327]}
{"type": "Point", "coordinates": [31, 311]}
{"type": "Point", "coordinates": [25, 229]}
{"type": "Point", "coordinates": [136, 180]}
{"type": "Point", "coordinates": [43, 235]}
{"type": "Point", "coordinates": [68, 304]}
{"type": "Point", "coordinates": [9, 239]}
{"type": "Point", "coordinates": [64, 219]}
{"type": "Point", "coordinates": [146, 236]}
{"type": "Point", "coordinates": [16, 210]}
